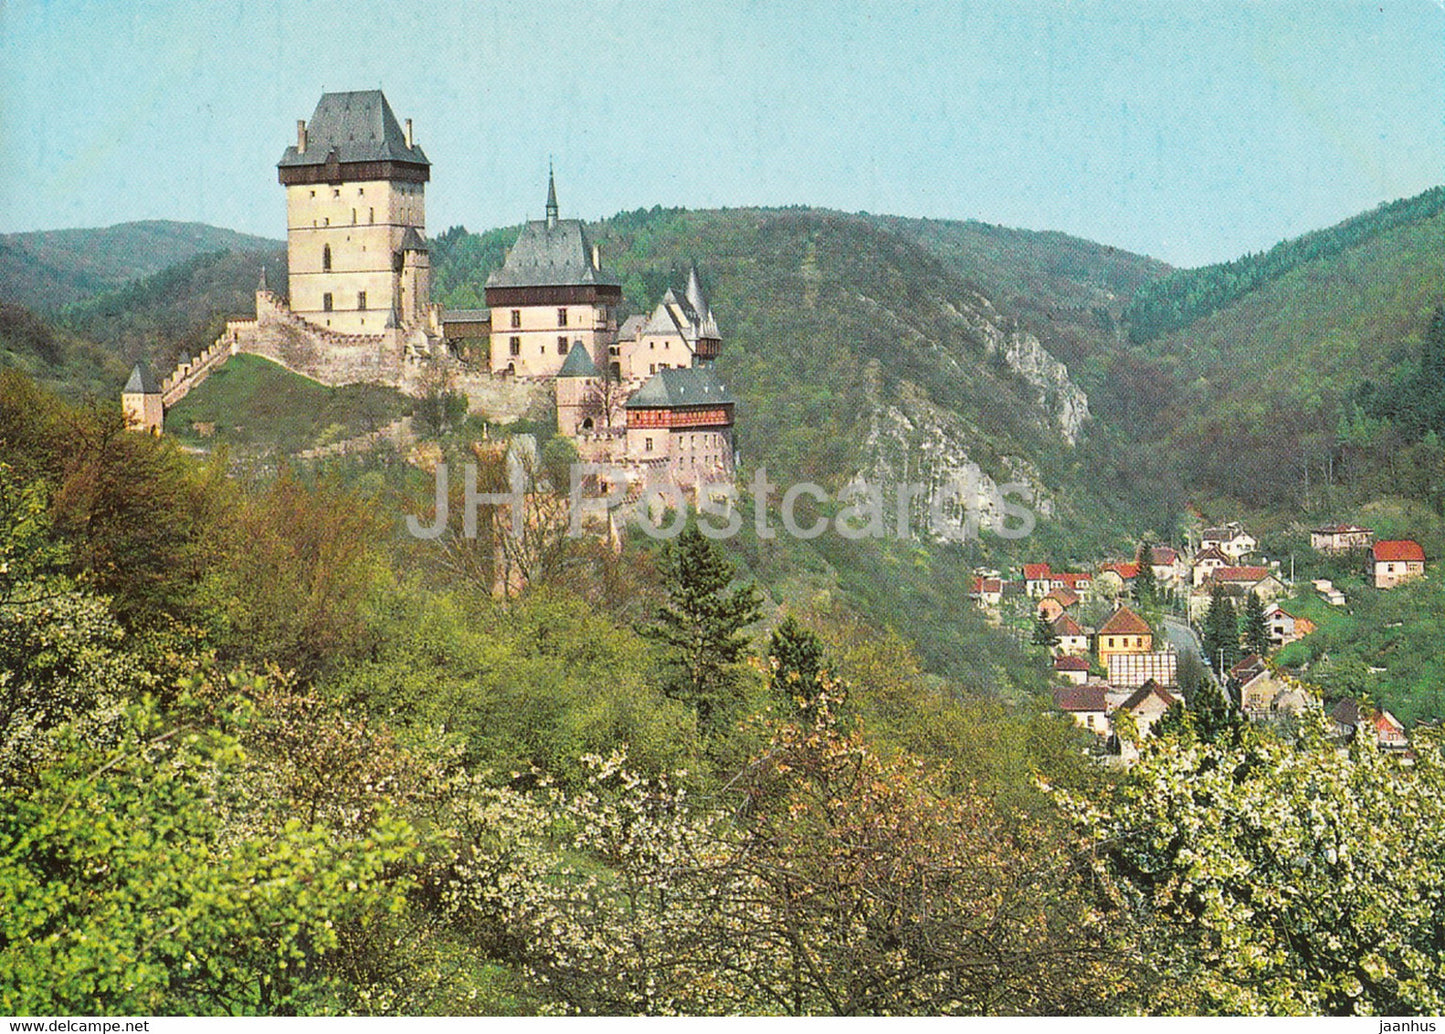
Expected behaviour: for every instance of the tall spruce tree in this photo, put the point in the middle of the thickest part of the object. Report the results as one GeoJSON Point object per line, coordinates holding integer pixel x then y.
{"type": "Point", "coordinates": [1044, 634]}
{"type": "Point", "coordinates": [798, 660]}
{"type": "Point", "coordinates": [700, 626]}
{"type": "Point", "coordinates": [1221, 632]}
{"type": "Point", "coordinates": [1146, 586]}
{"type": "Point", "coordinates": [1254, 629]}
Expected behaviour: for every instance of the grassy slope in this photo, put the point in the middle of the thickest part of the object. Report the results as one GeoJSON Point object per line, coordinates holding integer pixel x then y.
{"type": "Point", "coordinates": [61, 360]}
{"type": "Point", "coordinates": [258, 406]}
{"type": "Point", "coordinates": [52, 268]}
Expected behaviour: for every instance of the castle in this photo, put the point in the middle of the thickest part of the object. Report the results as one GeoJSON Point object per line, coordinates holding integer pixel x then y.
{"type": "Point", "coordinates": [358, 309]}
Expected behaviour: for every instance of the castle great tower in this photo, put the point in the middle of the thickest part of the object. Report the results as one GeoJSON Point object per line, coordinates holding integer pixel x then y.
{"type": "Point", "coordinates": [356, 217]}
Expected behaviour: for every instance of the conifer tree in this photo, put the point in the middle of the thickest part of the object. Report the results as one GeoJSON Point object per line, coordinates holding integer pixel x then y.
{"type": "Point", "coordinates": [1146, 587]}
{"type": "Point", "coordinates": [1254, 630]}
{"type": "Point", "coordinates": [1044, 634]}
{"type": "Point", "coordinates": [700, 626]}
{"type": "Point", "coordinates": [1221, 632]}
{"type": "Point", "coordinates": [798, 661]}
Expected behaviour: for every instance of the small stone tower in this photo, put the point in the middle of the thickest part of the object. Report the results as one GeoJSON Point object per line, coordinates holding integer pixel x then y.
{"type": "Point", "coordinates": [576, 393]}
{"type": "Point", "coordinates": [140, 400]}
{"type": "Point", "coordinates": [356, 217]}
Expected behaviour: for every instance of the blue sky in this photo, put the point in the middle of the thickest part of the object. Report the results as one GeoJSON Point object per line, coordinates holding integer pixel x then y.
{"type": "Point", "coordinates": [1192, 130]}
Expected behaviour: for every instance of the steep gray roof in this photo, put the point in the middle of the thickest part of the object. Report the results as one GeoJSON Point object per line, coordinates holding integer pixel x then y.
{"type": "Point", "coordinates": [630, 326]}
{"type": "Point", "coordinates": [412, 241]}
{"type": "Point", "coordinates": [551, 256]}
{"type": "Point", "coordinates": [142, 380]}
{"type": "Point", "coordinates": [690, 386]}
{"type": "Point", "coordinates": [360, 126]}
{"type": "Point", "coordinates": [578, 363]}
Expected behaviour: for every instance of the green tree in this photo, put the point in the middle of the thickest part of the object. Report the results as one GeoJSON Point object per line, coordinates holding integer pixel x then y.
{"type": "Point", "coordinates": [1044, 633]}
{"type": "Point", "coordinates": [1274, 877]}
{"type": "Point", "coordinates": [796, 661]}
{"type": "Point", "coordinates": [1254, 629]}
{"type": "Point", "coordinates": [1221, 632]}
{"type": "Point", "coordinates": [700, 626]}
{"type": "Point", "coordinates": [1146, 586]}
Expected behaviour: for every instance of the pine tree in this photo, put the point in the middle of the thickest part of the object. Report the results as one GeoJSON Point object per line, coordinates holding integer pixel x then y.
{"type": "Point", "coordinates": [1044, 634]}
{"type": "Point", "coordinates": [1146, 587]}
{"type": "Point", "coordinates": [700, 626]}
{"type": "Point", "coordinates": [798, 660]}
{"type": "Point", "coordinates": [1221, 632]}
{"type": "Point", "coordinates": [1255, 630]}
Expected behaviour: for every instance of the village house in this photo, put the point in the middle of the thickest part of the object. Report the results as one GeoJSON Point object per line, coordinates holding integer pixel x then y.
{"type": "Point", "coordinates": [1231, 540]}
{"type": "Point", "coordinates": [1073, 637]}
{"type": "Point", "coordinates": [1055, 602]}
{"type": "Point", "coordinates": [1284, 626]}
{"type": "Point", "coordinates": [1147, 705]}
{"type": "Point", "coordinates": [987, 591]}
{"type": "Point", "coordinates": [1124, 633]}
{"type": "Point", "coordinates": [1087, 704]}
{"type": "Point", "coordinates": [1168, 566]}
{"type": "Point", "coordinates": [1334, 539]}
{"type": "Point", "coordinates": [1328, 592]}
{"type": "Point", "coordinates": [1117, 578]}
{"type": "Point", "coordinates": [1261, 581]}
{"type": "Point", "coordinates": [1071, 668]}
{"type": "Point", "coordinates": [1205, 561]}
{"type": "Point", "coordinates": [1265, 696]}
{"type": "Point", "coordinates": [1041, 579]}
{"type": "Point", "coordinates": [1351, 718]}
{"type": "Point", "coordinates": [1397, 561]}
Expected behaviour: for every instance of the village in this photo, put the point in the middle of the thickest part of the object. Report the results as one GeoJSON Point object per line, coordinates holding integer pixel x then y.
{"type": "Point", "coordinates": [1129, 640]}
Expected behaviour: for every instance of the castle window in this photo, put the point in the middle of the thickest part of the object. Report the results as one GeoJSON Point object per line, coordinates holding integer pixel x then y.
{"type": "Point", "coordinates": [326, 302]}
{"type": "Point", "coordinates": [647, 444]}
{"type": "Point", "coordinates": [561, 317]}
{"type": "Point", "coordinates": [371, 215]}
{"type": "Point", "coordinates": [361, 300]}
{"type": "Point", "coordinates": [326, 221]}
{"type": "Point", "coordinates": [516, 318]}
{"type": "Point", "coordinates": [353, 217]}
{"type": "Point", "coordinates": [516, 346]}
{"type": "Point", "coordinates": [336, 192]}
{"type": "Point", "coordinates": [326, 258]}
{"type": "Point", "coordinates": [361, 192]}
{"type": "Point", "coordinates": [561, 344]}
{"type": "Point", "coordinates": [313, 193]}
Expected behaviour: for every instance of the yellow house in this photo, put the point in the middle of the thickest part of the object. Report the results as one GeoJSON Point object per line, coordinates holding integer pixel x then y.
{"type": "Point", "coordinates": [1125, 632]}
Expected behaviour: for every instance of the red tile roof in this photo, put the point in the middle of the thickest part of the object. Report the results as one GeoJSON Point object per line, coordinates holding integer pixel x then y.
{"type": "Point", "coordinates": [1211, 553]}
{"type": "Point", "coordinates": [1067, 662]}
{"type": "Point", "coordinates": [987, 585]}
{"type": "Point", "coordinates": [1239, 574]}
{"type": "Point", "coordinates": [1065, 625]}
{"type": "Point", "coordinates": [1144, 692]}
{"type": "Point", "coordinates": [1073, 581]}
{"type": "Point", "coordinates": [1162, 555]}
{"type": "Point", "coordinates": [1035, 572]}
{"type": "Point", "coordinates": [1123, 570]}
{"type": "Point", "coordinates": [1062, 596]}
{"type": "Point", "coordinates": [1125, 622]}
{"type": "Point", "coordinates": [1398, 549]}
{"type": "Point", "coordinates": [1090, 696]}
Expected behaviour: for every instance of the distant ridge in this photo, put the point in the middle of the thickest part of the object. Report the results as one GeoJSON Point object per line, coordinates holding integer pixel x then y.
{"type": "Point", "coordinates": [48, 269]}
{"type": "Point", "coordinates": [1187, 295]}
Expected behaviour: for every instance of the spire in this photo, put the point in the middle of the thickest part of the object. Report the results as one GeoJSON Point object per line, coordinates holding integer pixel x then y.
{"type": "Point", "coordinates": [551, 197]}
{"type": "Point", "coordinates": [693, 292]}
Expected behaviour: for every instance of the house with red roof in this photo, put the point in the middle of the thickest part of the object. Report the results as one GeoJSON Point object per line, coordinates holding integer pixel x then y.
{"type": "Point", "coordinates": [1055, 603]}
{"type": "Point", "coordinates": [1208, 559]}
{"type": "Point", "coordinates": [1087, 704]}
{"type": "Point", "coordinates": [1071, 668]}
{"type": "Point", "coordinates": [1284, 625]}
{"type": "Point", "coordinates": [1124, 632]}
{"type": "Point", "coordinates": [1114, 578]}
{"type": "Point", "coordinates": [1240, 581]}
{"type": "Point", "coordinates": [987, 591]}
{"type": "Point", "coordinates": [1073, 637]}
{"type": "Point", "coordinates": [1168, 566]}
{"type": "Point", "coordinates": [1231, 540]}
{"type": "Point", "coordinates": [1397, 561]}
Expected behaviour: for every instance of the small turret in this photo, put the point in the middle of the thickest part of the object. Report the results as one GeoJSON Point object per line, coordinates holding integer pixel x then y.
{"type": "Point", "coordinates": [551, 197]}
{"type": "Point", "coordinates": [140, 400]}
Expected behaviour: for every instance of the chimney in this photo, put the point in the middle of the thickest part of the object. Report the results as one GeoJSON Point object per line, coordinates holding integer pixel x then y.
{"type": "Point", "coordinates": [408, 133]}
{"type": "Point", "coordinates": [596, 256]}
{"type": "Point", "coordinates": [300, 136]}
